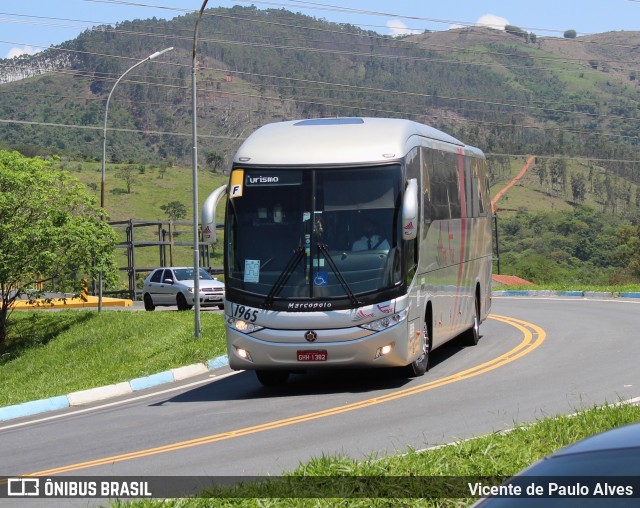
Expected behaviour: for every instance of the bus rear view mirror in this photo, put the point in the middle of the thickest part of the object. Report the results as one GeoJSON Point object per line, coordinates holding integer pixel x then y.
{"type": "Point", "coordinates": [410, 211]}
{"type": "Point", "coordinates": [209, 214]}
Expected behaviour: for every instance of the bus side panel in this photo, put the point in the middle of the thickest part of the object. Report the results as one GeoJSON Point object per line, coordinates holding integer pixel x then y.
{"type": "Point", "coordinates": [455, 252]}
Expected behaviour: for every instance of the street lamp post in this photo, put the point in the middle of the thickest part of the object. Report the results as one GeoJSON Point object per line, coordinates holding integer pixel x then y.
{"type": "Point", "coordinates": [104, 146]}
{"type": "Point", "coordinates": [196, 237]}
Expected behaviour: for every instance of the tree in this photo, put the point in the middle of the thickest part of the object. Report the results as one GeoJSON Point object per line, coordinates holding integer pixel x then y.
{"type": "Point", "coordinates": [52, 233]}
{"type": "Point", "coordinates": [128, 174]}
{"type": "Point", "coordinates": [578, 187]}
{"type": "Point", "coordinates": [542, 172]}
{"type": "Point", "coordinates": [515, 30]}
{"type": "Point", "coordinates": [559, 175]}
{"type": "Point", "coordinates": [215, 160]}
{"type": "Point", "coordinates": [175, 210]}
{"type": "Point", "coordinates": [570, 34]}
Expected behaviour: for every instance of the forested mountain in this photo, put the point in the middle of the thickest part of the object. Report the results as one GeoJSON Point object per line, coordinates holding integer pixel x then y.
{"type": "Point", "coordinates": [573, 102]}
{"type": "Point", "coordinates": [506, 92]}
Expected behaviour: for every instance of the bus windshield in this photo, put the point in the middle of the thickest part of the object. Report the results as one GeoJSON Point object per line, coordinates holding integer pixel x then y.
{"type": "Point", "coordinates": [328, 234]}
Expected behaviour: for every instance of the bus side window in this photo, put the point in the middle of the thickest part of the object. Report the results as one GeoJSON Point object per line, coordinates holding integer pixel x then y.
{"type": "Point", "coordinates": [483, 188]}
{"type": "Point", "coordinates": [475, 188]}
{"type": "Point", "coordinates": [426, 191]}
{"type": "Point", "coordinates": [438, 180]}
{"type": "Point", "coordinates": [453, 187]}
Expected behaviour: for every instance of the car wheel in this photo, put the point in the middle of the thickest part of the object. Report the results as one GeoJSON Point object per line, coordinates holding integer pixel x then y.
{"type": "Point", "coordinates": [181, 301]}
{"type": "Point", "coordinates": [148, 302]}
{"type": "Point", "coordinates": [221, 306]}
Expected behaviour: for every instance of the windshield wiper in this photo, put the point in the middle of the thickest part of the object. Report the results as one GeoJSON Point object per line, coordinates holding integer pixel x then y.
{"type": "Point", "coordinates": [298, 254]}
{"type": "Point", "coordinates": [325, 252]}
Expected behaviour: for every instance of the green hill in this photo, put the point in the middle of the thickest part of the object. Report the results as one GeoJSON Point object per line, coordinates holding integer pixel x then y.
{"type": "Point", "coordinates": [500, 91]}
{"type": "Point", "coordinates": [573, 103]}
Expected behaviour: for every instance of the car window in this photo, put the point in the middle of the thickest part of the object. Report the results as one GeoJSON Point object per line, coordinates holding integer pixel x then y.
{"type": "Point", "coordinates": [204, 275]}
{"type": "Point", "coordinates": [156, 276]}
{"type": "Point", "coordinates": [184, 274]}
{"type": "Point", "coordinates": [167, 275]}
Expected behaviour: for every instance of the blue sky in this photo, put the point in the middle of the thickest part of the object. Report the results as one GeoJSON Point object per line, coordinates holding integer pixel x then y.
{"type": "Point", "coordinates": [31, 25]}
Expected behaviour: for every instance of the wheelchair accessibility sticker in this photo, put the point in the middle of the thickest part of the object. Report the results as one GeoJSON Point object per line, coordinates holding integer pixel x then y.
{"type": "Point", "coordinates": [320, 278]}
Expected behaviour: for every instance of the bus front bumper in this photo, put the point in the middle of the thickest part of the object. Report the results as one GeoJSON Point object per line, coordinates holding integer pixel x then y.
{"type": "Point", "coordinates": [385, 348]}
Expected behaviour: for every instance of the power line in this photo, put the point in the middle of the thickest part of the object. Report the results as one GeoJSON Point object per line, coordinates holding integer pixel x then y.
{"type": "Point", "coordinates": [359, 107]}
{"type": "Point", "coordinates": [414, 115]}
{"type": "Point", "coordinates": [275, 47]}
{"type": "Point", "coordinates": [342, 9]}
{"type": "Point", "coordinates": [415, 44]}
{"type": "Point", "coordinates": [325, 7]}
{"type": "Point", "coordinates": [365, 89]}
{"type": "Point", "coordinates": [564, 157]}
{"type": "Point", "coordinates": [356, 88]}
{"type": "Point", "coordinates": [241, 138]}
{"type": "Point", "coordinates": [114, 129]}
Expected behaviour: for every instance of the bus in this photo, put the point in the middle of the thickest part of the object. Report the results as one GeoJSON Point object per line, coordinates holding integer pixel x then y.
{"type": "Point", "coordinates": [353, 243]}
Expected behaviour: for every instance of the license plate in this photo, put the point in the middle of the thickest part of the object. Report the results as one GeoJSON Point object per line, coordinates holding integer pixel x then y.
{"type": "Point", "coordinates": [316, 355]}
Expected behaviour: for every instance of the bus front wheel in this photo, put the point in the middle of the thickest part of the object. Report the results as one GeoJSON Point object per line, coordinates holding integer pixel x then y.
{"type": "Point", "coordinates": [421, 365]}
{"type": "Point", "coordinates": [272, 377]}
{"type": "Point", "coordinates": [472, 335]}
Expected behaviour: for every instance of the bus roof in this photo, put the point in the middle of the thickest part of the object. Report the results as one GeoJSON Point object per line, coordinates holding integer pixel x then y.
{"type": "Point", "coordinates": [337, 141]}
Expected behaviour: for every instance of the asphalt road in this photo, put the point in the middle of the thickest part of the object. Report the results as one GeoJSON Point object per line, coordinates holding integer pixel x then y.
{"type": "Point", "coordinates": [537, 357]}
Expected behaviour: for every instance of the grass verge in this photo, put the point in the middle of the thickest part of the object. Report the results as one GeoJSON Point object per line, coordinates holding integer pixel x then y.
{"type": "Point", "coordinates": [495, 455]}
{"type": "Point", "coordinates": [55, 353]}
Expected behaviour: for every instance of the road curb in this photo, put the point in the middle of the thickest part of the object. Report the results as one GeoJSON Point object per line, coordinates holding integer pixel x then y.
{"type": "Point", "coordinates": [34, 407]}
{"type": "Point", "coordinates": [94, 394]}
{"type": "Point", "coordinates": [82, 397]}
{"type": "Point", "coordinates": [570, 294]}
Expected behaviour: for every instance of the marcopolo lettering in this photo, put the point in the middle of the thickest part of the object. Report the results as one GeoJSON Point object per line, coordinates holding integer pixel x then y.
{"type": "Point", "coordinates": [309, 306]}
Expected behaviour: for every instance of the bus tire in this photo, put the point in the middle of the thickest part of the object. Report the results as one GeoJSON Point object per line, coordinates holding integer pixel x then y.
{"type": "Point", "coordinates": [272, 377]}
{"type": "Point", "coordinates": [418, 367]}
{"type": "Point", "coordinates": [472, 335]}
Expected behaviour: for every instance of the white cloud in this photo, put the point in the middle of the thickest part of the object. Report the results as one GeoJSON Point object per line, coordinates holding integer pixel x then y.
{"type": "Point", "coordinates": [492, 21]}
{"type": "Point", "coordinates": [26, 50]}
{"type": "Point", "coordinates": [397, 27]}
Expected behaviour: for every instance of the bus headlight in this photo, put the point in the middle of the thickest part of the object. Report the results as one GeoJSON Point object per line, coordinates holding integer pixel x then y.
{"type": "Point", "coordinates": [386, 322]}
{"type": "Point", "coordinates": [384, 350]}
{"type": "Point", "coordinates": [242, 326]}
{"type": "Point", "coordinates": [243, 353]}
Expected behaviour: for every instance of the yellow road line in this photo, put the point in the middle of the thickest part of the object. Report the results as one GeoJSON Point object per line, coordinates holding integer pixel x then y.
{"type": "Point", "coordinates": [534, 336]}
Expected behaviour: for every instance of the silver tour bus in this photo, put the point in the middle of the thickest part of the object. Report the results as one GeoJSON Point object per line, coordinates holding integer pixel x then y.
{"type": "Point", "coordinates": [352, 242]}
